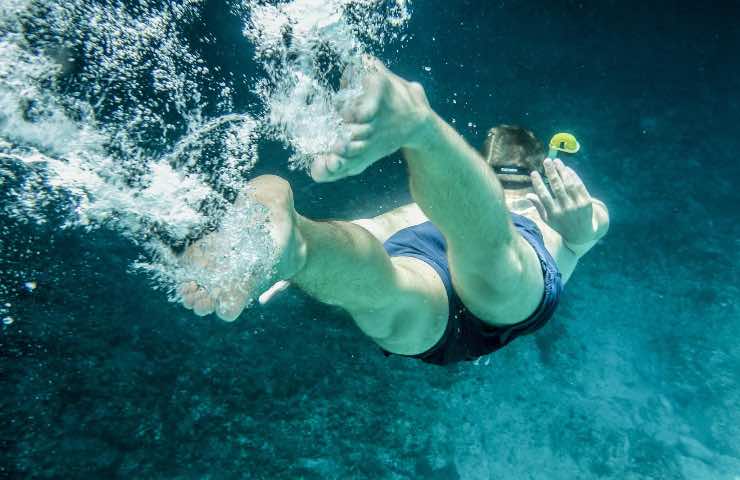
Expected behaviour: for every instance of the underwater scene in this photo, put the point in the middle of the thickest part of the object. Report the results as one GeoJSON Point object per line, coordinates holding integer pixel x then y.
{"type": "Point", "coordinates": [140, 227]}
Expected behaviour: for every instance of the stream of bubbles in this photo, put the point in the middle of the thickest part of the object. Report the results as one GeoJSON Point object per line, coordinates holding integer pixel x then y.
{"type": "Point", "coordinates": [111, 117]}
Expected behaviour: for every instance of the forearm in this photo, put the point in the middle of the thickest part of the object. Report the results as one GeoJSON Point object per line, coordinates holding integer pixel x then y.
{"type": "Point", "coordinates": [454, 186]}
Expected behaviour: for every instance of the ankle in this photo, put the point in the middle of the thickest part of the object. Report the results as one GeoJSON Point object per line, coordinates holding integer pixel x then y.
{"type": "Point", "coordinates": [425, 132]}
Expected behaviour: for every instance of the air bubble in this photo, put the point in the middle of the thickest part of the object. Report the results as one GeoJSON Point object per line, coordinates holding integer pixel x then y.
{"type": "Point", "coordinates": [132, 142]}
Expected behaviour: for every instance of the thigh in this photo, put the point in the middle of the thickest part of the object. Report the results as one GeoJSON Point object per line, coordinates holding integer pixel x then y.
{"type": "Point", "coordinates": [377, 229]}
{"type": "Point", "coordinates": [417, 318]}
{"type": "Point", "coordinates": [502, 289]}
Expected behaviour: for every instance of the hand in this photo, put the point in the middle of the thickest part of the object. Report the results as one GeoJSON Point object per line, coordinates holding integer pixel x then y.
{"type": "Point", "coordinates": [390, 113]}
{"type": "Point", "coordinates": [569, 210]}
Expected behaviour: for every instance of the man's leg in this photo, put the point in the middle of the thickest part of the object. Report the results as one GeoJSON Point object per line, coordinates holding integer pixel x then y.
{"type": "Point", "coordinates": [494, 270]}
{"type": "Point", "coordinates": [399, 302]}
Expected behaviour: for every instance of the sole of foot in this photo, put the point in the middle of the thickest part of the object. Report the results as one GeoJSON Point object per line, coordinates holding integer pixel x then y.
{"type": "Point", "coordinates": [229, 299]}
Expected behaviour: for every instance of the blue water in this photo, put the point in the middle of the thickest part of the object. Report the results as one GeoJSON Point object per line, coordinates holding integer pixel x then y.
{"type": "Point", "coordinates": [635, 378]}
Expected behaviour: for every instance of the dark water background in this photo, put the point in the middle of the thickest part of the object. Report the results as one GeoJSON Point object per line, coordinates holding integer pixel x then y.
{"type": "Point", "coordinates": [635, 378]}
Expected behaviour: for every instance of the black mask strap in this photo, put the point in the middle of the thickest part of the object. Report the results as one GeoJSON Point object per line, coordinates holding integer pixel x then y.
{"type": "Point", "coordinates": [511, 170]}
{"type": "Point", "coordinates": [514, 170]}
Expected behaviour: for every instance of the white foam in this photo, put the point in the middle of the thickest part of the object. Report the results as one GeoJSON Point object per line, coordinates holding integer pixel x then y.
{"type": "Point", "coordinates": [301, 44]}
{"type": "Point", "coordinates": [126, 137]}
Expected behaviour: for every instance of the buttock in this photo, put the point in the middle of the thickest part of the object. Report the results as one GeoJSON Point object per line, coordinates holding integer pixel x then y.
{"type": "Point", "coordinates": [465, 336]}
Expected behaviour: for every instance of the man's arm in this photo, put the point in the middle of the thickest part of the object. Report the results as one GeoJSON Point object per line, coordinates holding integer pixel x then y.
{"type": "Point", "coordinates": [600, 227]}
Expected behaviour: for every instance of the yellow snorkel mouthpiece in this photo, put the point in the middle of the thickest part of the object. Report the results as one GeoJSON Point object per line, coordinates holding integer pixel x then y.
{"type": "Point", "coordinates": [563, 142]}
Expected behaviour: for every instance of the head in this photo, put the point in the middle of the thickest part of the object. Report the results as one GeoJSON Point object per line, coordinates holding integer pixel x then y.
{"type": "Point", "coordinates": [512, 146]}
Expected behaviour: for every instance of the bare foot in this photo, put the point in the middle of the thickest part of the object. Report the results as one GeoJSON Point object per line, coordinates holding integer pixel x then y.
{"type": "Point", "coordinates": [212, 254]}
{"type": "Point", "coordinates": [390, 113]}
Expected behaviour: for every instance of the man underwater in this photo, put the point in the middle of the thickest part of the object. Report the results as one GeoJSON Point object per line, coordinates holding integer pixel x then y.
{"type": "Point", "coordinates": [478, 260]}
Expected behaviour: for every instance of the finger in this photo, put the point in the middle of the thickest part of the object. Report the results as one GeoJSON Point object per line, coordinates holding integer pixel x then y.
{"type": "Point", "coordinates": [365, 111]}
{"type": "Point", "coordinates": [334, 163]}
{"type": "Point", "coordinates": [345, 150]}
{"type": "Point", "coordinates": [363, 108]}
{"type": "Point", "coordinates": [573, 183]}
{"type": "Point", "coordinates": [272, 291]}
{"type": "Point", "coordinates": [566, 175]}
{"type": "Point", "coordinates": [556, 183]}
{"type": "Point", "coordinates": [542, 192]}
{"type": "Point", "coordinates": [200, 294]}
{"type": "Point", "coordinates": [538, 205]}
{"type": "Point", "coordinates": [561, 169]}
{"type": "Point", "coordinates": [189, 301]}
{"type": "Point", "coordinates": [580, 192]}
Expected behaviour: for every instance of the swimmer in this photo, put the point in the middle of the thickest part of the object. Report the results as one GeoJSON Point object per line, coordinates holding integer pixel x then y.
{"type": "Point", "coordinates": [478, 260]}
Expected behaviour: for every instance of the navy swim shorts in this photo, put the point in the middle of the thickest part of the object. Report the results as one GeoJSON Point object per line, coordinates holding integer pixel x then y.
{"type": "Point", "coordinates": [466, 337]}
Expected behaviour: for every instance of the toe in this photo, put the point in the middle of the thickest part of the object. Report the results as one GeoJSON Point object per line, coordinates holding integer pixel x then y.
{"type": "Point", "coordinates": [230, 306]}
{"type": "Point", "coordinates": [318, 169]}
{"type": "Point", "coordinates": [203, 306]}
{"type": "Point", "coordinates": [335, 164]}
{"type": "Point", "coordinates": [187, 289]}
{"type": "Point", "coordinates": [327, 168]}
{"type": "Point", "coordinates": [187, 300]}
{"type": "Point", "coordinates": [192, 294]}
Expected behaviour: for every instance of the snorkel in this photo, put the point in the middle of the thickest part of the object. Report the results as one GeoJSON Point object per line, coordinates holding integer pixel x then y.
{"type": "Point", "coordinates": [563, 142]}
